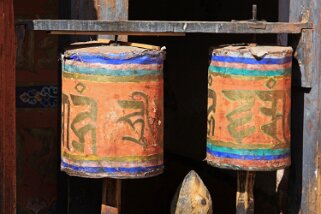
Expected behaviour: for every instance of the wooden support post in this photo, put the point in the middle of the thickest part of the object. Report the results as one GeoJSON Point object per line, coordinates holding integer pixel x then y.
{"type": "Point", "coordinates": [108, 10]}
{"type": "Point", "coordinates": [111, 196]}
{"type": "Point", "coordinates": [284, 5]}
{"type": "Point", "coordinates": [7, 109]}
{"type": "Point", "coordinates": [111, 10]}
{"type": "Point", "coordinates": [244, 195]}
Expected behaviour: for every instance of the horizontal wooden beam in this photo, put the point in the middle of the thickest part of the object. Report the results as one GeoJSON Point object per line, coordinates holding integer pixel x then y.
{"type": "Point", "coordinates": [163, 27]}
{"type": "Point", "coordinates": [60, 32]}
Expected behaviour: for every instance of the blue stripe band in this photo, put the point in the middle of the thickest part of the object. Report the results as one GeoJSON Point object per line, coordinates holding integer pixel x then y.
{"type": "Point", "coordinates": [108, 72]}
{"type": "Point", "coordinates": [245, 157]}
{"type": "Point", "coordinates": [89, 58]}
{"type": "Point", "coordinates": [246, 72]}
{"type": "Point", "coordinates": [266, 61]}
{"type": "Point", "coordinates": [111, 169]}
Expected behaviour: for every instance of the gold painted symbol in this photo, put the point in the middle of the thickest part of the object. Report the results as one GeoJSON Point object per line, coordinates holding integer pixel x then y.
{"type": "Point", "coordinates": [276, 127]}
{"type": "Point", "coordinates": [65, 119]}
{"type": "Point", "coordinates": [86, 121]}
{"type": "Point", "coordinates": [270, 83]}
{"type": "Point", "coordinates": [80, 87]}
{"type": "Point", "coordinates": [211, 112]}
{"type": "Point", "coordinates": [137, 119]}
{"type": "Point", "coordinates": [241, 116]}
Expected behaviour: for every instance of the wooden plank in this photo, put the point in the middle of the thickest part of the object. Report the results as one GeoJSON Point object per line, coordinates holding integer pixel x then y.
{"type": "Point", "coordinates": [307, 189]}
{"type": "Point", "coordinates": [7, 109]}
{"type": "Point", "coordinates": [97, 27]}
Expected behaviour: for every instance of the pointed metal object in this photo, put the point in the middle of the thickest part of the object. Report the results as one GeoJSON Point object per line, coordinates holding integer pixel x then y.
{"type": "Point", "coordinates": [192, 197]}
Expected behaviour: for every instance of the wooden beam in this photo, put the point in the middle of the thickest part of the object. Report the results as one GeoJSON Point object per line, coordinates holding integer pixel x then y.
{"type": "Point", "coordinates": [7, 109]}
{"type": "Point", "coordinates": [98, 26]}
{"type": "Point", "coordinates": [123, 36]}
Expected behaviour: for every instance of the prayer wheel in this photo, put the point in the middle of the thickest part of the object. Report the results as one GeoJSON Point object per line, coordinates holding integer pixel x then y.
{"type": "Point", "coordinates": [249, 100]}
{"type": "Point", "coordinates": [112, 111]}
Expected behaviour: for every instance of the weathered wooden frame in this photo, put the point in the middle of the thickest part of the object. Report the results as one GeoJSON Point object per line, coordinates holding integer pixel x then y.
{"type": "Point", "coordinates": [310, 47]}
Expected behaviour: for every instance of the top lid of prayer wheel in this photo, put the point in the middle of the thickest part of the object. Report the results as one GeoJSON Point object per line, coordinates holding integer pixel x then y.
{"type": "Point", "coordinates": [113, 49]}
{"type": "Point", "coordinates": [253, 50]}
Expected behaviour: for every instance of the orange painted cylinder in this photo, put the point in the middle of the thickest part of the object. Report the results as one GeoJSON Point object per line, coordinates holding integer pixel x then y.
{"type": "Point", "coordinates": [249, 101]}
{"type": "Point", "coordinates": [112, 112]}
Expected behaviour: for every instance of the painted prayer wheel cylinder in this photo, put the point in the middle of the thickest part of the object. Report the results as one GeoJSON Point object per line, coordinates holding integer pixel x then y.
{"type": "Point", "coordinates": [249, 100]}
{"type": "Point", "coordinates": [112, 112]}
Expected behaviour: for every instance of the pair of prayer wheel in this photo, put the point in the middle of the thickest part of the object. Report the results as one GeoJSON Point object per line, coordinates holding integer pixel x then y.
{"type": "Point", "coordinates": [112, 110]}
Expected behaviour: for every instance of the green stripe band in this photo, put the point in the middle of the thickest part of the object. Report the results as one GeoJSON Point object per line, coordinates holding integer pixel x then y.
{"type": "Point", "coordinates": [253, 152]}
{"type": "Point", "coordinates": [108, 72]}
{"type": "Point", "coordinates": [246, 72]}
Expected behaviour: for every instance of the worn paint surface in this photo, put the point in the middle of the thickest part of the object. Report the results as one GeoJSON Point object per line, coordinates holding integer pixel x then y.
{"type": "Point", "coordinates": [112, 112]}
{"type": "Point", "coordinates": [249, 92]}
{"type": "Point", "coordinates": [192, 196]}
